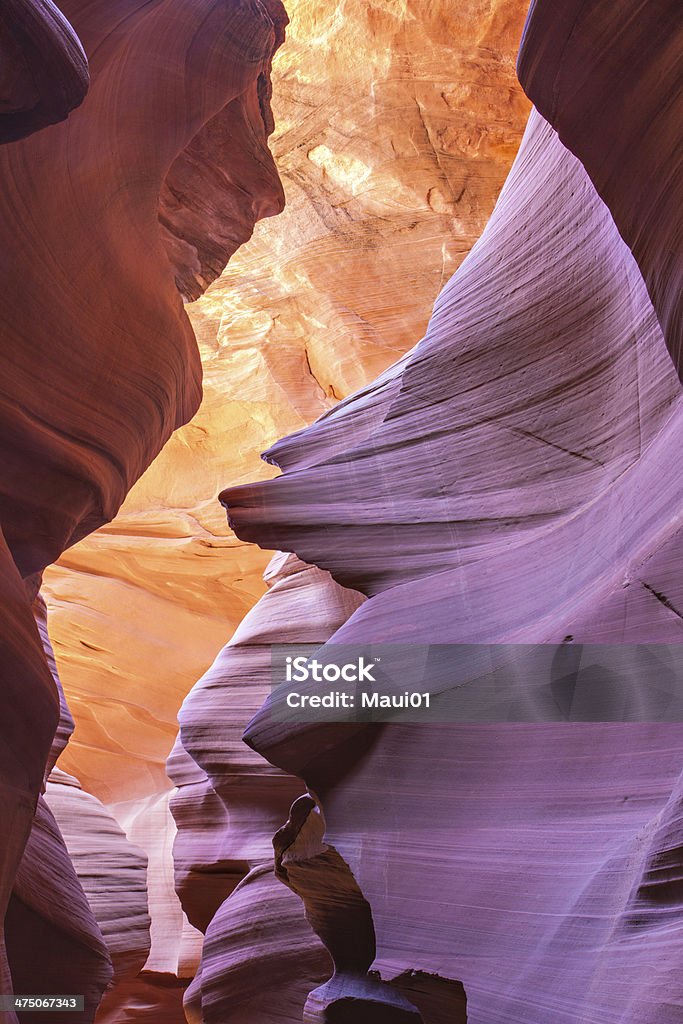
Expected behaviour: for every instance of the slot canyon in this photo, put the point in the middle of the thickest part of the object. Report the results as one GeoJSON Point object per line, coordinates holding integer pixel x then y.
{"type": "Point", "coordinates": [325, 326]}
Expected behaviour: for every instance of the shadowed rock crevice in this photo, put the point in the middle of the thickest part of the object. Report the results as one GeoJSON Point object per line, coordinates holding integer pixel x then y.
{"type": "Point", "coordinates": [43, 68]}
{"type": "Point", "coordinates": [341, 916]}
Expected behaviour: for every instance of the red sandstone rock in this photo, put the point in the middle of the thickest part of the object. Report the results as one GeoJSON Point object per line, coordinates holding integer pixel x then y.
{"type": "Point", "coordinates": [544, 354]}
{"type": "Point", "coordinates": [27, 726]}
{"type": "Point", "coordinates": [65, 727]}
{"type": "Point", "coordinates": [98, 361]}
{"type": "Point", "coordinates": [53, 942]}
{"type": "Point", "coordinates": [122, 371]}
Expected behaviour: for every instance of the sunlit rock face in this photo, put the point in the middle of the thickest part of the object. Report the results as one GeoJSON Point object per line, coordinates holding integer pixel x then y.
{"type": "Point", "coordinates": [539, 346]}
{"type": "Point", "coordinates": [395, 125]}
{"type": "Point", "coordinates": [114, 385]}
{"type": "Point", "coordinates": [163, 198]}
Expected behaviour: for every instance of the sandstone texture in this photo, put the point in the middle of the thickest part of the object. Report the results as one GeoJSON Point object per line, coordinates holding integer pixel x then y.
{"type": "Point", "coordinates": [608, 77]}
{"type": "Point", "coordinates": [44, 69]}
{"type": "Point", "coordinates": [229, 803]}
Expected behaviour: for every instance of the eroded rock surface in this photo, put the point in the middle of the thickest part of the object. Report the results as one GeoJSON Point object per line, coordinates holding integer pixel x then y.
{"type": "Point", "coordinates": [43, 69]}
{"type": "Point", "coordinates": [229, 803]}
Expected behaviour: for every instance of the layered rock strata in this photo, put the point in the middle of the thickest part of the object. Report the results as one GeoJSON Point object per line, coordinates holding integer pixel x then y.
{"type": "Point", "coordinates": [229, 803]}
{"type": "Point", "coordinates": [90, 451]}
{"type": "Point", "coordinates": [44, 69]}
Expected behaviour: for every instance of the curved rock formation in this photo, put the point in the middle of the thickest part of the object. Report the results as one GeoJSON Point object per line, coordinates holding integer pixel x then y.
{"type": "Point", "coordinates": [260, 958]}
{"type": "Point", "coordinates": [512, 365]}
{"type": "Point", "coordinates": [112, 872]}
{"type": "Point", "coordinates": [89, 453]}
{"type": "Point", "coordinates": [65, 726]}
{"type": "Point", "coordinates": [513, 479]}
{"type": "Point", "coordinates": [53, 942]}
{"type": "Point", "coordinates": [27, 727]}
{"type": "Point", "coordinates": [229, 802]}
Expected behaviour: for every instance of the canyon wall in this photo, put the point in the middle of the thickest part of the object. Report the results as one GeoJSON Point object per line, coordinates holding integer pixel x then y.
{"type": "Point", "coordinates": [99, 365]}
{"type": "Point", "coordinates": [608, 77]}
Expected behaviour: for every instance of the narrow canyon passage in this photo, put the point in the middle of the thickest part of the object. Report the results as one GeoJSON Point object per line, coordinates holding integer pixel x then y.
{"type": "Point", "coordinates": [340, 235]}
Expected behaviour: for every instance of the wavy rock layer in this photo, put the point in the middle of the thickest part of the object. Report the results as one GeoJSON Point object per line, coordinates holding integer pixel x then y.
{"type": "Point", "coordinates": [396, 124]}
{"type": "Point", "coordinates": [574, 428]}
{"type": "Point", "coordinates": [53, 942]}
{"type": "Point", "coordinates": [52, 938]}
{"type": "Point", "coordinates": [260, 960]}
{"type": "Point", "coordinates": [27, 726]}
{"type": "Point", "coordinates": [512, 479]}
{"type": "Point", "coordinates": [111, 870]}
{"type": "Point", "coordinates": [229, 803]}
{"type": "Point", "coordinates": [82, 456]}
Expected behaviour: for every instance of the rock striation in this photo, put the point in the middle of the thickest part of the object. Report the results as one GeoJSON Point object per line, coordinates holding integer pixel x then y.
{"type": "Point", "coordinates": [512, 364]}
{"type": "Point", "coordinates": [27, 727]}
{"type": "Point", "coordinates": [511, 479]}
{"type": "Point", "coordinates": [112, 873]}
{"type": "Point", "coordinates": [53, 942]}
{"type": "Point", "coordinates": [228, 804]}
{"type": "Point", "coordinates": [90, 452]}
{"type": "Point", "coordinates": [130, 215]}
